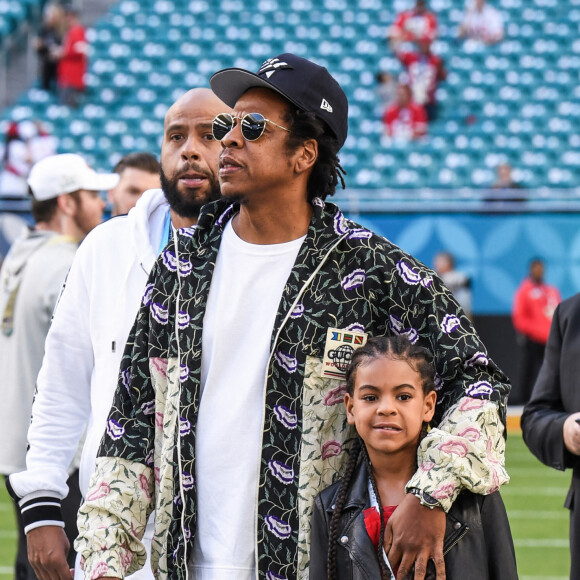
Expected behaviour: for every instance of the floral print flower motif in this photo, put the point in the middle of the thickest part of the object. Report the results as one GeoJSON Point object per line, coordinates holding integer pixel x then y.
{"type": "Point", "coordinates": [398, 328]}
{"type": "Point", "coordinates": [355, 327]}
{"type": "Point", "coordinates": [184, 426]}
{"type": "Point", "coordinates": [126, 558]}
{"type": "Point", "coordinates": [470, 404]}
{"type": "Point", "coordinates": [100, 570]}
{"type": "Point", "coordinates": [359, 234]}
{"type": "Point", "coordinates": [144, 485]}
{"type": "Point", "coordinates": [102, 490]}
{"type": "Point", "coordinates": [148, 294]}
{"type": "Point", "coordinates": [408, 274]}
{"type": "Point", "coordinates": [450, 323]}
{"type": "Point", "coordinates": [273, 576]}
{"type": "Point", "coordinates": [114, 430]}
{"type": "Point", "coordinates": [183, 373]}
{"type": "Point", "coordinates": [478, 389]}
{"type": "Point", "coordinates": [479, 358]}
{"type": "Point", "coordinates": [186, 232]}
{"type": "Point", "coordinates": [187, 480]}
{"type": "Point", "coordinates": [160, 366]}
{"type": "Point", "coordinates": [318, 201]}
{"type": "Point", "coordinates": [286, 416]}
{"type": "Point", "coordinates": [286, 361]}
{"type": "Point", "coordinates": [185, 267]}
{"type": "Point", "coordinates": [427, 466]}
{"type": "Point", "coordinates": [148, 407]}
{"type": "Point", "coordinates": [438, 382]}
{"type": "Point", "coordinates": [282, 472]}
{"type": "Point", "coordinates": [183, 319]}
{"type": "Point", "coordinates": [445, 491]}
{"type": "Point", "coordinates": [335, 396]}
{"type": "Point", "coordinates": [340, 224]}
{"type": "Point", "coordinates": [159, 420]}
{"type": "Point", "coordinates": [159, 313]}
{"type": "Point", "coordinates": [354, 280]}
{"type": "Point", "coordinates": [298, 310]}
{"type": "Point", "coordinates": [169, 261]}
{"type": "Point", "coordinates": [149, 459]}
{"type": "Point", "coordinates": [470, 433]}
{"type": "Point", "coordinates": [126, 379]}
{"type": "Point", "coordinates": [331, 449]}
{"type": "Point", "coordinates": [278, 527]}
{"type": "Point", "coordinates": [427, 281]}
{"type": "Point", "coordinates": [453, 447]}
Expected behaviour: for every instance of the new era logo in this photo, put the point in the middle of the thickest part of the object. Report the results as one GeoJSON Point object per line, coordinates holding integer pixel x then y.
{"type": "Point", "coordinates": [271, 66]}
{"type": "Point", "coordinates": [326, 106]}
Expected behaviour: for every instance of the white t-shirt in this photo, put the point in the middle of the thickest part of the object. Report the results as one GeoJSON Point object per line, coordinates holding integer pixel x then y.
{"type": "Point", "coordinates": [244, 297]}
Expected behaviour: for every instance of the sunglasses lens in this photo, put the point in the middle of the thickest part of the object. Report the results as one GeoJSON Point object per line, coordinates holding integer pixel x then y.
{"type": "Point", "coordinates": [222, 125]}
{"type": "Point", "coordinates": [253, 126]}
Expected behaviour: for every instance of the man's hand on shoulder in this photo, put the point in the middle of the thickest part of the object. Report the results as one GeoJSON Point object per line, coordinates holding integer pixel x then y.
{"type": "Point", "coordinates": [48, 548]}
{"type": "Point", "coordinates": [414, 535]}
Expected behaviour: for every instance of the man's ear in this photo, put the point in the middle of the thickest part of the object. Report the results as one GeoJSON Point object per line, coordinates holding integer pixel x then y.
{"type": "Point", "coordinates": [307, 156]}
{"type": "Point", "coordinates": [66, 203]}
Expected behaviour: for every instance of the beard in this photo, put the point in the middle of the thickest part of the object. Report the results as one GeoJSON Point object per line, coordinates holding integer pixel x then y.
{"type": "Point", "coordinates": [188, 204]}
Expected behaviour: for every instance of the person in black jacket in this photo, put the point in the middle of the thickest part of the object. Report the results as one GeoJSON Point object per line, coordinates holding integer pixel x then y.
{"type": "Point", "coordinates": [549, 420]}
{"type": "Point", "coordinates": [390, 400]}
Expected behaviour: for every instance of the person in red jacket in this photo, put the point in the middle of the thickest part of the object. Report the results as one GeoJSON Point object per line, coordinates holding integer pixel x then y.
{"type": "Point", "coordinates": [72, 64]}
{"type": "Point", "coordinates": [405, 120]}
{"type": "Point", "coordinates": [533, 309]}
{"type": "Point", "coordinates": [414, 25]}
{"type": "Point", "coordinates": [426, 70]}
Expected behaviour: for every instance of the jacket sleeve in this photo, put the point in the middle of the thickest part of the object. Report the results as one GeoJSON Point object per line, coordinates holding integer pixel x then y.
{"type": "Point", "coordinates": [61, 407]}
{"type": "Point", "coordinates": [466, 449]}
{"type": "Point", "coordinates": [319, 541]}
{"type": "Point", "coordinates": [544, 415]}
{"type": "Point", "coordinates": [121, 492]}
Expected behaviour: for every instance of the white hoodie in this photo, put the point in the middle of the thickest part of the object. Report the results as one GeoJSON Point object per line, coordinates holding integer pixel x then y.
{"type": "Point", "coordinates": [84, 347]}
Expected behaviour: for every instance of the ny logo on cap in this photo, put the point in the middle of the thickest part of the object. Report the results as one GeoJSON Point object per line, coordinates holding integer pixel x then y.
{"type": "Point", "coordinates": [326, 106]}
{"type": "Point", "coordinates": [271, 66]}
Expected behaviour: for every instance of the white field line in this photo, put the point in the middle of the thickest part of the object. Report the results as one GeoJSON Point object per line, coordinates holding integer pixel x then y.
{"type": "Point", "coordinates": [519, 490]}
{"type": "Point", "coordinates": [536, 543]}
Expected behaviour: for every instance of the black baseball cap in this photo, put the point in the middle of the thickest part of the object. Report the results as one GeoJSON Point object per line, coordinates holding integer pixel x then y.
{"type": "Point", "coordinates": [307, 85]}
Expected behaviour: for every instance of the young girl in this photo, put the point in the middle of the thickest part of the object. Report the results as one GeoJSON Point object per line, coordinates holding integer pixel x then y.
{"type": "Point", "coordinates": [390, 400]}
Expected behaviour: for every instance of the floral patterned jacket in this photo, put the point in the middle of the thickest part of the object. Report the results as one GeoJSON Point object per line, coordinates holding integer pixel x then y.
{"type": "Point", "coordinates": [345, 277]}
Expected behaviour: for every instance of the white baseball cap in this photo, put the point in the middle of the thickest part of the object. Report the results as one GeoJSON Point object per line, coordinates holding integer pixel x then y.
{"type": "Point", "coordinates": [65, 173]}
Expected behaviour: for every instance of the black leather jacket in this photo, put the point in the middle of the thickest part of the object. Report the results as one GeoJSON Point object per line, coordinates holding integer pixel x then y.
{"type": "Point", "coordinates": [478, 543]}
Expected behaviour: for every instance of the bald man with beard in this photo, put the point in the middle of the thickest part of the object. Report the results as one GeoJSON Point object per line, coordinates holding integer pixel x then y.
{"type": "Point", "coordinates": [92, 322]}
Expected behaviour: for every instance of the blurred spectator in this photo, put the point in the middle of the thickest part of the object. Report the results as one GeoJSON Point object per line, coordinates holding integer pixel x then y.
{"type": "Point", "coordinates": [65, 208]}
{"type": "Point", "coordinates": [504, 178]}
{"type": "Point", "coordinates": [17, 161]}
{"type": "Point", "coordinates": [138, 172]}
{"type": "Point", "coordinates": [458, 282]}
{"type": "Point", "coordinates": [425, 70]}
{"type": "Point", "coordinates": [413, 25]}
{"type": "Point", "coordinates": [386, 91]}
{"type": "Point", "coordinates": [482, 22]}
{"type": "Point", "coordinates": [405, 120]}
{"type": "Point", "coordinates": [26, 143]}
{"type": "Point", "coordinates": [48, 44]}
{"type": "Point", "coordinates": [533, 309]}
{"type": "Point", "coordinates": [73, 61]}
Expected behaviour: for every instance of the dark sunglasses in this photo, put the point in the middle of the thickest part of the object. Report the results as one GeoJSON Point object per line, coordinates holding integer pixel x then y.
{"type": "Point", "coordinates": [252, 125]}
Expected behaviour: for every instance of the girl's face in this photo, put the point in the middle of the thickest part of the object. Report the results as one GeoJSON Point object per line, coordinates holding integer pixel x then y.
{"type": "Point", "coordinates": [388, 406]}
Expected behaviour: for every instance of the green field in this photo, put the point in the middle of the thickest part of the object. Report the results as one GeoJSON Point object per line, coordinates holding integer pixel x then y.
{"type": "Point", "coordinates": [534, 500]}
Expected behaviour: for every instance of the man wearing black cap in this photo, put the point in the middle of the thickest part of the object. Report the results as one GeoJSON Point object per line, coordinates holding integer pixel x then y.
{"type": "Point", "coordinates": [228, 417]}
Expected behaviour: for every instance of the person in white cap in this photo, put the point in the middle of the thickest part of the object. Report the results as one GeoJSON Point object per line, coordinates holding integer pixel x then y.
{"type": "Point", "coordinates": [66, 205]}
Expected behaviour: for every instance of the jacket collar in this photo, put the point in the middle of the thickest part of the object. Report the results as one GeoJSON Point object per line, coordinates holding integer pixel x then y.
{"type": "Point", "coordinates": [358, 494]}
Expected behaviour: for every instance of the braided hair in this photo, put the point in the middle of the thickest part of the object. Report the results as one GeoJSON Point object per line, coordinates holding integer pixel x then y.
{"type": "Point", "coordinates": [420, 360]}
